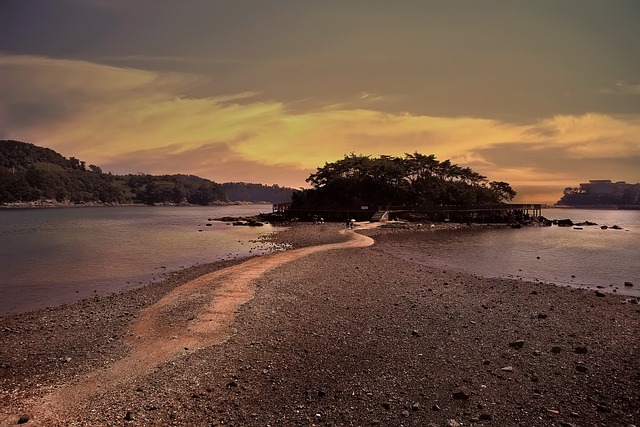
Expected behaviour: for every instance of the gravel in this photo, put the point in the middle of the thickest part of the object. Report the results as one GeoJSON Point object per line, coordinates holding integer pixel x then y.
{"type": "Point", "coordinates": [344, 337]}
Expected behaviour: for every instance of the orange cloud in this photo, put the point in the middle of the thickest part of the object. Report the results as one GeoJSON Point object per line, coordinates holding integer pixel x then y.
{"type": "Point", "coordinates": [130, 120]}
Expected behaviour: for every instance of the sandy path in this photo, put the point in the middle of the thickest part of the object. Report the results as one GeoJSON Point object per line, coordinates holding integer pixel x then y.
{"type": "Point", "coordinates": [195, 315]}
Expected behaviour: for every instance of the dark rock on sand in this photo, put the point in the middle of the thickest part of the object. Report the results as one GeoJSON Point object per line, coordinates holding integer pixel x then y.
{"type": "Point", "coordinates": [517, 344]}
{"type": "Point", "coordinates": [461, 393]}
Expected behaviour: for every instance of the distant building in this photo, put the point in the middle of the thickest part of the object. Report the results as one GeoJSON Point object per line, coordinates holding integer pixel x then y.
{"type": "Point", "coordinates": [600, 186]}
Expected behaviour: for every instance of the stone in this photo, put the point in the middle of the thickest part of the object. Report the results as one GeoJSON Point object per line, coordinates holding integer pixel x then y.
{"type": "Point", "coordinates": [600, 294]}
{"type": "Point", "coordinates": [485, 417]}
{"type": "Point", "coordinates": [581, 368]}
{"type": "Point", "coordinates": [128, 416]}
{"type": "Point", "coordinates": [628, 284]}
{"type": "Point", "coordinates": [507, 369]}
{"type": "Point", "coordinates": [453, 423]}
{"type": "Point", "coordinates": [23, 419]}
{"type": "Point", "coordinates": [542, 316]}
{"type": "Point", "coordinates": [517, 344]}
{"type": "Point", "coordinates": [581, 350]}
{"type": "Point", "coordinates": [461, 393]}
{"type": "Point", "coordinates": [555, 349]}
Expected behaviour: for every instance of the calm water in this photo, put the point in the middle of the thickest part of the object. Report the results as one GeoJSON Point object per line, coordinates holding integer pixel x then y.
{"type": "Point", "coordinates": [591, 257]}
{"type": "Point", "coordinates": [54, 256]}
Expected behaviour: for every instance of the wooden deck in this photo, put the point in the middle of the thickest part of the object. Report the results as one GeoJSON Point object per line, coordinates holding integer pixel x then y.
{"type": "Point", "coordinates": [506, 213]}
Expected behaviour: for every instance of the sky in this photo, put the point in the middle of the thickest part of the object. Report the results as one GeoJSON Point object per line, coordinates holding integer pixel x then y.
{"type": "Point", "coordinates": [541, 94]}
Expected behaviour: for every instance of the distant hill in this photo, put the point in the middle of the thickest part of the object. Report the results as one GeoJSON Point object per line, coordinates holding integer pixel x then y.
{"type": "Point", "coordinates": [29, 173]}
{"type": "Point", "coordinates": [242, 191]}
{"type": "Point", "coordinates": [601, 192]}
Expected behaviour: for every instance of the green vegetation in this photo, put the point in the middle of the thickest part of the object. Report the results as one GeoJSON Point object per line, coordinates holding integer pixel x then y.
{"type": "Point", "coordinates": [414, 180]}
{"type": "Point", "coordinates": [30, 173]}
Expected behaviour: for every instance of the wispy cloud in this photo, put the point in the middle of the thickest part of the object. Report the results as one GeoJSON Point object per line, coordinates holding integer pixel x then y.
{"type": "Point", "coordinates": [622, 87]}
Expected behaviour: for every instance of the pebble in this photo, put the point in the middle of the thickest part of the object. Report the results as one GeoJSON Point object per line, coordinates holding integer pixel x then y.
{"type": "Point", "coordinates": [517, 344]}
{"type": "Point", "coordinates": [581, 350]}
{"type": "Point", "coordinates": [461, 393]}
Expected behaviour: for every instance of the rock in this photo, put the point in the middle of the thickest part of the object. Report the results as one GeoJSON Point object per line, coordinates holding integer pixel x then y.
{"type": "Point", "coordinates": [453, 423]}
{"type": "Point", "coordinates": [600, 294]}
{"type": "Point", "coordinates": [128, 416]}
{"type": "Point", "coordinates": [581, 368]}
{"type": "Point", "coordinates": [628, 284]}
{"type": "Point", "coordinates": [507, 369]}
{"type": "Point", "coordinates": [485, 417]}
{"type": "Point", "coordinates": [415, 406]}
{"type": "Point", "coordinates": [461, 393]}
{"type": "Point", "coordinates": [555, 349]}
{"type": "Point", "coordinates": [23, 419]}
{"type": "Point", "coordinates": [581, 350]}
{"type": "Point", "coordinates": [415, 333]}
{"type": "Point", "coordinates": [542, 316]}
{"type": "Point", "coordinates": [435, 408]}
{"type": "Point", "coordinates": [517, 344]}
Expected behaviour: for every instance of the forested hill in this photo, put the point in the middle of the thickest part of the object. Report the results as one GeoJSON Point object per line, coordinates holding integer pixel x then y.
{"type": "Point", "coordinates": [29, 173]}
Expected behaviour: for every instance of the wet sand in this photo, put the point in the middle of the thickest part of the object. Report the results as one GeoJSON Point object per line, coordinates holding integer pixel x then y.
{"type": "Point", "coordinates": [348, 336]}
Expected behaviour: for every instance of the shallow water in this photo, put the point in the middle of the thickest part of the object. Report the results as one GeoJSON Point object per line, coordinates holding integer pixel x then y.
{"type": "Point", "coordinates": [591, 257]}
{"type": "Point", "coordinates": [54, 256]}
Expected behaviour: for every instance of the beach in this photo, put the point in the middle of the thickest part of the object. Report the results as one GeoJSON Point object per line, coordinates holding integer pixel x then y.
{"type": "Point", "coordinates": [333, 336]}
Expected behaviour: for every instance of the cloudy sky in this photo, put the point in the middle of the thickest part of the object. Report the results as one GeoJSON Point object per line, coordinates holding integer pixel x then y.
{"type": "Point", "coordinates": [542, 94]}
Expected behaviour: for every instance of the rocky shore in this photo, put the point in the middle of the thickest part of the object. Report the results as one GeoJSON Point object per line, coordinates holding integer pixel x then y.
{"type": "Point", "coordinates": [340, 337]}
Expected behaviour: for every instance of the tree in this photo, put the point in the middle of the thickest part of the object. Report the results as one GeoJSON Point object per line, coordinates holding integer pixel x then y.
{"type": "Point", "coordinates": [416, 179]}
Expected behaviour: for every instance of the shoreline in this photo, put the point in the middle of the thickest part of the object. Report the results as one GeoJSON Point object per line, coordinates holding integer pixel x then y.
{"type": "Point", "coordinates": [315, 339]}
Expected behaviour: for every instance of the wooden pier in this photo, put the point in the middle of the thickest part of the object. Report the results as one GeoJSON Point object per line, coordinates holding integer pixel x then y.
{"type": "Point", "coordinates": [505, 213]}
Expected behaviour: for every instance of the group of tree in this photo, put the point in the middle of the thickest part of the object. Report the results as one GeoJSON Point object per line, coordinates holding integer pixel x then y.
{"type": "Point", "coordinates": [30, 173]}
{"type": "Point", "coordinates": [628, 196]}
{"type": "Point", "coordinates": [412, 180]}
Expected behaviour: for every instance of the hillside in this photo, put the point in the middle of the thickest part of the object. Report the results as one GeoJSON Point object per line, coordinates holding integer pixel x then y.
{"type": "Point", "coordinates": [29, 173]}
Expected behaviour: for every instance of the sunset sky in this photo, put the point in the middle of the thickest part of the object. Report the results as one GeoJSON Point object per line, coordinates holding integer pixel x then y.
{"type": "Point", "coordinates": [542, 94]}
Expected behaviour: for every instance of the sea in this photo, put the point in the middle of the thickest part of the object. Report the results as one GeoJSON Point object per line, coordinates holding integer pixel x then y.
{"type": "Point", "coordinates": [55, 256]}
{"type": "Point", "coordinates": [580, 257]}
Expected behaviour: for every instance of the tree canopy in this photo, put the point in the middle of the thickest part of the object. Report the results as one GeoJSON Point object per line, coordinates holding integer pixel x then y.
{"type": "Point", "coordinates": [413, 180]}
{"type": "Point", "coordinates": [30, 173]}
